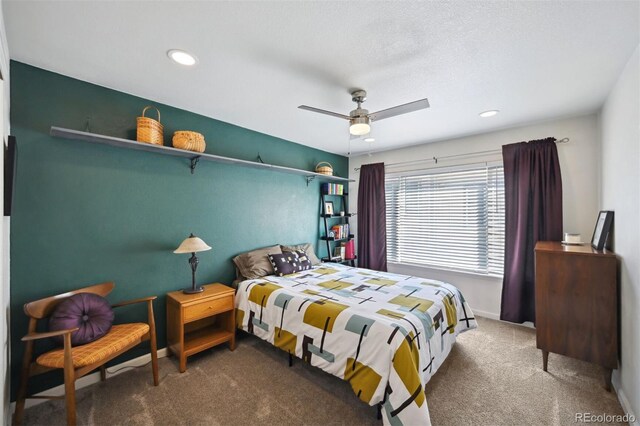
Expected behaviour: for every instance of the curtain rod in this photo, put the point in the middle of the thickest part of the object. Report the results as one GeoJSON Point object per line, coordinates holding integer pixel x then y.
{"type": "Point", "coordinates": [436, 159]}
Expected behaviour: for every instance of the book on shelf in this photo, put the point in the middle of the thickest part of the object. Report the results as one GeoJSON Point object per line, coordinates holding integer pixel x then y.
{"type": "Point", "coordinates": [332, 189]}
{"type": "Point", "coordinates": [335, 230]}
{"type": "Point", "coordinates": [340, 232]}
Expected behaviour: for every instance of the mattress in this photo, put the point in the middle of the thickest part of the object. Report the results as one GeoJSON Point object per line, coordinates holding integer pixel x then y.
{"type": "Point", "coordinates": [386, 334]}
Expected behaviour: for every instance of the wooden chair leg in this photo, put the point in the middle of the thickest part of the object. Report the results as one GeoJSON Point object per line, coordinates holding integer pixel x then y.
{"type": "Point", "coordinates": [69, 382]}
{"type": "Point", "coordinates": [154, 343]}
{"type": "Point", "coordinates": [18, 416]}
{"type": "Point", "coordinates": [103, 373]}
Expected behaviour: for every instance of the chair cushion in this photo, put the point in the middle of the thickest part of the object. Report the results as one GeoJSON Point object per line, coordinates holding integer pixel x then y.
{"type": "Point", "coordinates": [92, 314]}
{"type": "Point", "coordinates": [117, 339]}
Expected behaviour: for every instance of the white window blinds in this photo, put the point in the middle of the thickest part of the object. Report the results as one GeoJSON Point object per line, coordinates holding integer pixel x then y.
{"type": "Point", "coordinates": [451, 219]}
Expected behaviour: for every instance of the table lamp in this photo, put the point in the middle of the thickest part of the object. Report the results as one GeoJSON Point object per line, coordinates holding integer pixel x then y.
{"type": "Point", "coordinates": [192, 245]}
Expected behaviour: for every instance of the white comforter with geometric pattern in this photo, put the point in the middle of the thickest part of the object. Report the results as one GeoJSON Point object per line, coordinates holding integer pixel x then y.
{"type": "Point", "coordinates": [386, 334]}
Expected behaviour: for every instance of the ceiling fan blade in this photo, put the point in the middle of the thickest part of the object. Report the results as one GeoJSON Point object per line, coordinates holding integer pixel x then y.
{"type": "Point", "coordinates": [400, 109]}
{"type": "Point", "coordinates": [322, 111]}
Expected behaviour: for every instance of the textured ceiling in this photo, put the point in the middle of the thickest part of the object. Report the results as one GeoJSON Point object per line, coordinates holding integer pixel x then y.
{"type": "Point", "coordinates": [260, 60]}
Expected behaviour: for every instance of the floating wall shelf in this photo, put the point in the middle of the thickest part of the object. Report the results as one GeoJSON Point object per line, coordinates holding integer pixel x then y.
{"type": "Point", "coordinates": [194, 157]}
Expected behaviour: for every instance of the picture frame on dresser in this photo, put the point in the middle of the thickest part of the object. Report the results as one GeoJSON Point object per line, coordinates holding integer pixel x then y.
{"type": "Point", "coordinates": [602, 229]}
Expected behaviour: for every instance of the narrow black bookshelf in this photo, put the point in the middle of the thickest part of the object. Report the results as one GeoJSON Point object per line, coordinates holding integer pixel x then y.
{"type": "Point", "coordinates": [339, 216]}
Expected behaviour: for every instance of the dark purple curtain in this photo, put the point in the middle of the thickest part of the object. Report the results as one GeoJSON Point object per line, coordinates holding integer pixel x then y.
{"type": "Point", "coordinates": [533, 204]}
{"type": "Point", "coordinates": [372, 218]}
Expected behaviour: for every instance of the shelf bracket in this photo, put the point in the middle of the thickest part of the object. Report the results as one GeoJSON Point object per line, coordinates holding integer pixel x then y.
{"type": "Point", "coordinates": [194, 163]}
{"type": "Point", "coordinates": [309, 179]}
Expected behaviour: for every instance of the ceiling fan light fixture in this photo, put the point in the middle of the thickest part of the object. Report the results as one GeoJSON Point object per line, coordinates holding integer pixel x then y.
{"type": "Point", "coordinates": [489, 113]}
{"type": "Point", "coordinates": [360, 119]}
{"type": "Point", "coordinates": [359, 126]}
{"type": "Point", "coordinates": [181, 57]}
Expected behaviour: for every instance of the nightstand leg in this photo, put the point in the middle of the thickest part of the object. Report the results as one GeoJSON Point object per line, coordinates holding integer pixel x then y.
{"type": "Point", "coordinates": [183, 363]}
{"type": "Point", "coordinates": [545, 359]}
{"type": "Point", "coordinates": [232, 343]}
{"type": "Point", "coordinates": [607, 379]}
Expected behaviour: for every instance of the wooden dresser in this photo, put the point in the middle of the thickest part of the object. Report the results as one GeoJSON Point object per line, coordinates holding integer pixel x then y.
{"type": "Point", "coordinates": [577, 304]}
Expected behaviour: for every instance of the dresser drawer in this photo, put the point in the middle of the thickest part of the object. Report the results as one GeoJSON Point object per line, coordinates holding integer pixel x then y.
{"type": "Point", "coordinates": [207, 308]}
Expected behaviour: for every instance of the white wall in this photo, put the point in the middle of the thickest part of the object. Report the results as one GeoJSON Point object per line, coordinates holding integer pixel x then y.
{"type": "Point", "coordinates": [620, 125]}
{"type": "Point", "coordinates": [579, 164]}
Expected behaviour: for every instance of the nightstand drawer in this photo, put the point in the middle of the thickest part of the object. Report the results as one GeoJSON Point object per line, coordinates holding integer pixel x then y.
{"type": "Point", "coordinates": [208, 308]}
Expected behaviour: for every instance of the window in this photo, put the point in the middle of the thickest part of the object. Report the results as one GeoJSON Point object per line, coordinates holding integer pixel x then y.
{"type": "Point", "coordinates": [449, 219]}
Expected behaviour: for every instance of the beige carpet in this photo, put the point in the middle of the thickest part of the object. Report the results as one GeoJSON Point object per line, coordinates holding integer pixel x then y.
{"type": "Point", "coordinates": [492, 377]}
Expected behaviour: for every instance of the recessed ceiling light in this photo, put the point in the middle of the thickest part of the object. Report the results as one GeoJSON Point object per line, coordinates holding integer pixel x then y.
{"type": "Point", "coordinates": [489, 113]}
{"type": "Point", "coordinates": [369, 139]}
{"type": "Point", "coordinates": [181, 57]}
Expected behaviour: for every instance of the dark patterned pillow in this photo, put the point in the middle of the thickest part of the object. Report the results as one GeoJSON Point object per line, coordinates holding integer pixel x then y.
{"type": "Point", "coordinates": [284, 264]}
{"type": "Point", "coordinates": [304, 263]}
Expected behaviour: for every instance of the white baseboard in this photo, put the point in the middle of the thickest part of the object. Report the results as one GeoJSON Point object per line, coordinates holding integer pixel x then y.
{"type": "Point", "coordinates": [626, 406]}
{"type": "Point", "coordinates": [485, 314]}
{"type": "Point", "coordinates": [491, 315]}
{"type": "Point", "coordinates": [93, 378]}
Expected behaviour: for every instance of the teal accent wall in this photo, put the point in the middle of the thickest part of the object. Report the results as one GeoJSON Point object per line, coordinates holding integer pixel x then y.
{"type": "Point", "coordinates": [86, 213]}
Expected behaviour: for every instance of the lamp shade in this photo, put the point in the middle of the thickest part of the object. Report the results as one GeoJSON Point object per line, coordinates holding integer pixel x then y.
{"type": "Point", "coordinates": [192, 244]}
{"type": "Point", "coordinates": [359, 126]}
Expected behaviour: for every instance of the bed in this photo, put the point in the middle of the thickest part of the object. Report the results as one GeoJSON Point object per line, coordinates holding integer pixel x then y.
{"type": "Point", "coordinates": [386, 334]}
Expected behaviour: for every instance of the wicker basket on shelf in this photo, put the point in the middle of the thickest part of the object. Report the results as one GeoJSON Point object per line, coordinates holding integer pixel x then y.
{"type": "Point", "coordinates": [324, 168]}
{"type": "Point", "coordinates": [150, 130]}
{"type": "Point", "coordinates": [188, 140]}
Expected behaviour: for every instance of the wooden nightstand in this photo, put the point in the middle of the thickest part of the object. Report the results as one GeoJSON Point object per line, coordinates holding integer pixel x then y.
{"type": "Point", "coordinates": [196, 322]}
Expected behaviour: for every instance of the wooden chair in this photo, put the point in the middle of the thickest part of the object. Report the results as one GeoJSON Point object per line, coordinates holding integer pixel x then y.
{"type": "Point", "coordinates": [79, 361]}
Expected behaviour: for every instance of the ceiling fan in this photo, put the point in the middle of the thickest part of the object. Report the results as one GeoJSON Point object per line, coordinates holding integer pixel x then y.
{"type": "Point", "coordinates": [360, 118]}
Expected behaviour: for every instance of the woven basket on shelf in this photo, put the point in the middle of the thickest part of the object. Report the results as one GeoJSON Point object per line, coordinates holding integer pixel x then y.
{"type": "Point", "coordinates": [191, 141]}
{"type": "Point", "coordinates": [150, 130]}
{"type": "Point", "coordinates": [324, 170]}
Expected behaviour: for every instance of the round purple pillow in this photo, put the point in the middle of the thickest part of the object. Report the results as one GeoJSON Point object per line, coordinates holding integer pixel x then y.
{"type": "Point", "coordinates": [92, 314]}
